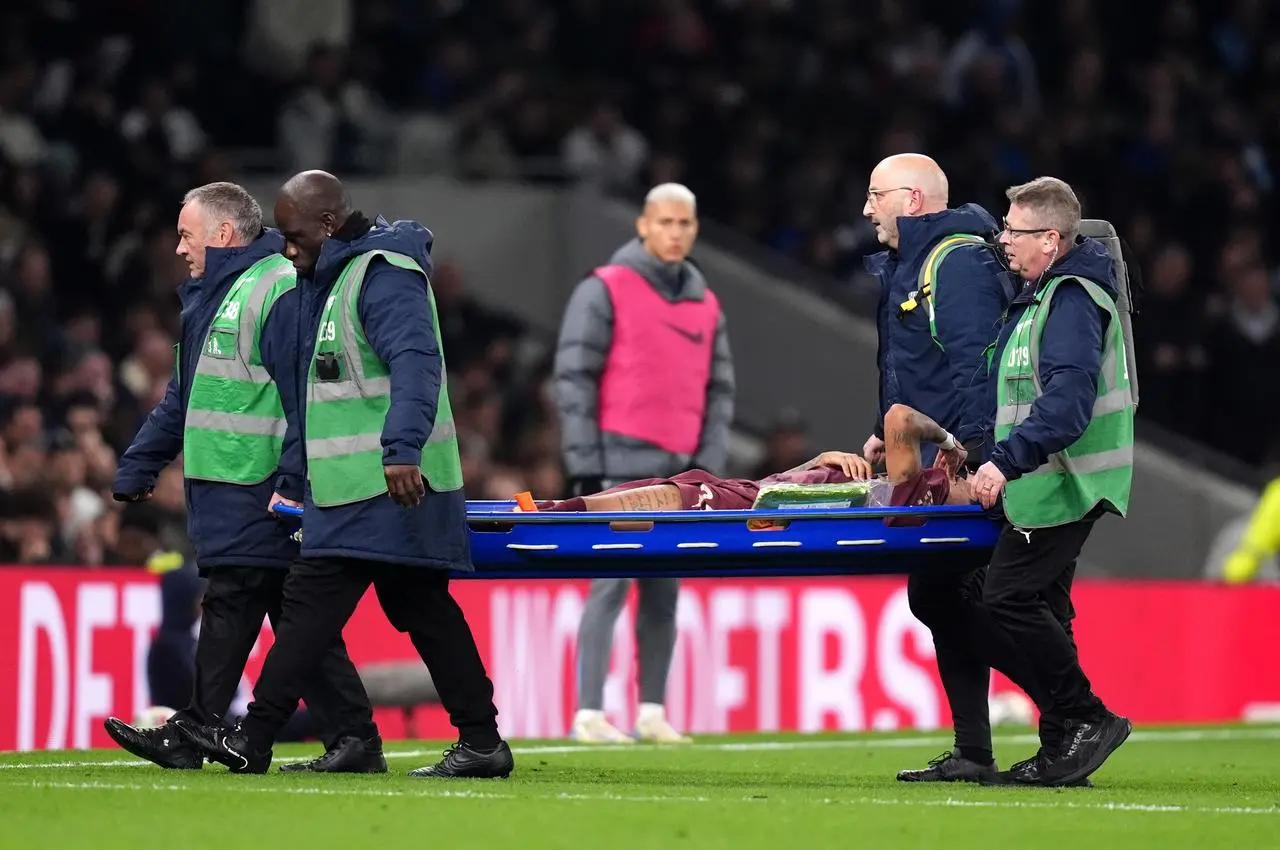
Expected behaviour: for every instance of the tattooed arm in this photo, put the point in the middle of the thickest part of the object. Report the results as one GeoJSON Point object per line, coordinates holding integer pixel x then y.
{"type": "Point", "coordinates": [904, 430]}
{"type": "Point", "coordinates": [908, 427]}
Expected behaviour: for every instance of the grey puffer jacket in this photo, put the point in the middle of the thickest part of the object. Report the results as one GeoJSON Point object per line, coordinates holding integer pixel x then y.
{"type": "Point", "coordinates": [586, 334]}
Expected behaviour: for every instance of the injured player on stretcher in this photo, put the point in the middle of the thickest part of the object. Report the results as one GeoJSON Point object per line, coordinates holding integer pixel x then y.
{"type": "Point", "coordinates": [907, 482]}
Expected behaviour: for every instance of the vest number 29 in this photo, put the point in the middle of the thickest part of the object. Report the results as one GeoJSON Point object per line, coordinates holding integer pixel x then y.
{"type": "Point", "coordinates": [328, 332]}
{"type": "Point", "coordinates": [1019, 356]}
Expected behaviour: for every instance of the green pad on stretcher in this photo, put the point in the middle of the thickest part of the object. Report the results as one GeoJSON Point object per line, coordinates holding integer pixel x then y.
{"type": "Point", "coordinates": [850, 494]}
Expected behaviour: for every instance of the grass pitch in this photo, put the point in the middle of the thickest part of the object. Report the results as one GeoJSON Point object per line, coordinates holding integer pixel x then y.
{"type": "Point", "coordinates": [1166, 788]}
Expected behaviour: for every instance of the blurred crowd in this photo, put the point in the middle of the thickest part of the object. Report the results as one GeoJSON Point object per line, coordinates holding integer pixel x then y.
{"type": "Point", "coordinates": [104, 124]}
{"type": "Point", "coordinates": [1164, 115]}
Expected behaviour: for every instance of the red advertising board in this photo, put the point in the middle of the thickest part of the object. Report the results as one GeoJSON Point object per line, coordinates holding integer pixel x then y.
{"type": "Point", "coordinates": [752, 654]}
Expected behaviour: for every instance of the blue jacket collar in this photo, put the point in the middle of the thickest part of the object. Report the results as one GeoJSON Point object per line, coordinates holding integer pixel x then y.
{"type": "Point", "coordinates": [358, 236]}
{"type": "Point", "coordinates": [918, 234]}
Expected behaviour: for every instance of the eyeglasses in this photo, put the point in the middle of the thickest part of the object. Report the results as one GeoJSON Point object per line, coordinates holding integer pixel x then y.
{"type": "Point", "coordinates": [873, 195]}
{"type": "Point", "coordinates": [1018, 231]}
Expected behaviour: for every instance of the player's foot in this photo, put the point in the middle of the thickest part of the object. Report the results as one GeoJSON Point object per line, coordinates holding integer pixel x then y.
{"type": "Point", "coordinates": [591, 727]}
{"type": "Point", "coordinates": [652, 725]}
{"type": "Point", "coordinates": [348, 755]}
{"type": "Point", "coordinates": [162, 745]}
{"type": "Point", "coordinates": [1029, 772]}
{"type": "Point", "coordinates": [1085, 746]}
{"type": "Point", "coordinates": [225, 746]}
{"type": "Point", "coordinates": [462, 762]}
{"type": "Point", "coordinates": [951, 766]}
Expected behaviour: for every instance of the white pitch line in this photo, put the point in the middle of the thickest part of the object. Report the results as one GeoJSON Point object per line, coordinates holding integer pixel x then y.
{"type": "Point", "coordinates": [467, 794]}
{"type": "Point", "coordinates": [1140, 736]}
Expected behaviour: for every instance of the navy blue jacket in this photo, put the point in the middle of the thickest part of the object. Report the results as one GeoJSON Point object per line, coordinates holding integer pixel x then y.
{"type": "Point", "coordinates": [1070, 359]}
{"type": "Point", "coordinates": [949, 384]}
{"type": "Point", "coordinates": [399, 325]}
{"type": "Point", "coordinates": [228, 523]}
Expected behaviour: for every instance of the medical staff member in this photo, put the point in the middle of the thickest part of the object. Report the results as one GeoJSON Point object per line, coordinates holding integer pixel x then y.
{"type": "Point", "coordinates": [644, 385]}
{"type": "Point", "coordinates": [1063, 457]}
{"type": "Point", "coordinates": [942, 291]}
{"type": "Point", "coordinates": [231, 411]}
{"type": "Point", "coordinates": [384, 503]}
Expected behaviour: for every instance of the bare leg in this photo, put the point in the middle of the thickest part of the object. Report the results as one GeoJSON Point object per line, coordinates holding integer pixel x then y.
{"type": "Point", "coordinates": [656, 497]}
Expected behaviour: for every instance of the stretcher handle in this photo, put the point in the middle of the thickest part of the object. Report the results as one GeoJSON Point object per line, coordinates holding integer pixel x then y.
{"type": "Point", "coordinates": [583, 517]}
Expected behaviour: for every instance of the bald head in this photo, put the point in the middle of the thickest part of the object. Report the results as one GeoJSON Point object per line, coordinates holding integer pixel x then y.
{"type": "Point", "coordinates": [905, 184]}
{"type": "Point", "coordinates": [310, 207]}
{"type": "Point", "coordinates": [317, 192]}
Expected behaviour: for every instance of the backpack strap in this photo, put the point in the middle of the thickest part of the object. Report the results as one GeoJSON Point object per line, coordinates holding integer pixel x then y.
{"type": "Point", "coordinates": [928, 281]}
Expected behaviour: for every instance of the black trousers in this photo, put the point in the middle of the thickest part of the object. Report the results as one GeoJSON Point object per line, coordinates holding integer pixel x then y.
{"type": "Point", "coordinates": [968, 644]}
{"type": "Point", "coordinates": [235, 601]}
{"type": "Point", "coordinates": [320, 596]}
{"type": "Point", "coordinates": [1028, 593]}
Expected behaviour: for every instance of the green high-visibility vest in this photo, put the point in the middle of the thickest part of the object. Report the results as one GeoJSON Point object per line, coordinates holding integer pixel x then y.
{"type": "Point", "coordinates": [346, 410]}
{"type": "Point", "coordinates": [1097, 469]}
{"type": "Point", "coordinates": [235, 422]}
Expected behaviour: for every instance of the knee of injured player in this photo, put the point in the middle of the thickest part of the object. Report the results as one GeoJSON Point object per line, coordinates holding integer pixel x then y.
{"type": "Point", "coordinates": [898, 415]}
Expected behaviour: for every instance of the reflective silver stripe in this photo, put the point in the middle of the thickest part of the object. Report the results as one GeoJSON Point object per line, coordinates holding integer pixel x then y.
{"type": "Point", "coordinates": [236, 369]}
{"type": "Point", "coordinates": [237, 423]}
{"type": "Point", "coordinates": [253, 307]}
{"type": "Point", "coordinates": [348, 310]}
{"type": "Point", "coordinates": [1108, 371]}
{"type": "Point", "coordinates": [1012, 414]}
{"type": "Point", "coordinates": [1114, 401]}
{"type": "Point", "coordinates": [347, 321]}
{"type": "Point", "coordinates": [442, 431]}
{"type": "Point", "coordinates": [343, 390]}
{"type": "Point", "coordinates": [339, 446]}
{"type": "Point", "coordinates": [342, 446]}
{"type": "Point", "coordinates": [1088, 464]}
{"type": "Point", "coordinates": [239, 368]}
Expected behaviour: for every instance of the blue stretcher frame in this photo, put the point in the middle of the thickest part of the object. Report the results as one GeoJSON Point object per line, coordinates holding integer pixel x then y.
{"type": "Point", "coordinates": [687, 544]}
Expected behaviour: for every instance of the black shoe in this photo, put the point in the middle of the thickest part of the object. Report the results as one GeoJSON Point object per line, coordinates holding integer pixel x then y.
{"type": "Point", "coordinates": [225, 746]}
{"type": "Point", "coordinates": [1030, 772]}
{"type": "Point", "coordinates": [462, 762]}
{"type": "Point", "coordinates": [349, 755]}
{"type": "Point", "coordinates": [951, 766]}
{"type": "Point", "coordinates": [1085, 746]}
{"type": "Point", "coordinates": [162, 745]}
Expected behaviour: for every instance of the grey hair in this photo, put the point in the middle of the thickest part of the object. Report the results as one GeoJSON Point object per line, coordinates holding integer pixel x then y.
{"type": "Point", "coordinates": [1053, 202]}
{"type": "Point", "coordinates": [676, 192]}
{"type": "Point", "coordinates": [228, 202]}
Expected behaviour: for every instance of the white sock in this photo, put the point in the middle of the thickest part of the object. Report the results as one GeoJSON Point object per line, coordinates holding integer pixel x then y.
{"type": "Point", "coordinates": [587, 715]}
{"type": "Point", "coordinates": [651, 711]}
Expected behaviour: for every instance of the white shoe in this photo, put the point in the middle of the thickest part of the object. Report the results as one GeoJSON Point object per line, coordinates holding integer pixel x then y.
{"type": "Point", "coordinates": [590, 727]}
{"type": "Point", "coordinates": [652, 725]}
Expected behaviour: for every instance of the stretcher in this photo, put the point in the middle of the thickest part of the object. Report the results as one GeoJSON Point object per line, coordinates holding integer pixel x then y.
{"type": "Point", "coordinates": [796, 542]}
